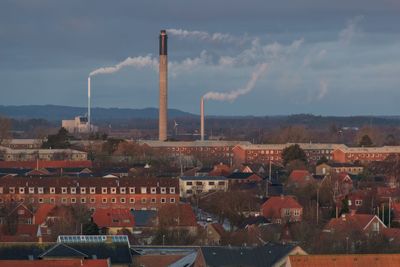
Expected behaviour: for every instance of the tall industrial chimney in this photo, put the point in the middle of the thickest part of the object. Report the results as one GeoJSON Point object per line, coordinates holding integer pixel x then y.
{"type": "Point", "coordinates": [202, 119]}
{"type": "Point", "coordinates": [163, 111]}
{"type": "Point", "coordinates": [88, 115]}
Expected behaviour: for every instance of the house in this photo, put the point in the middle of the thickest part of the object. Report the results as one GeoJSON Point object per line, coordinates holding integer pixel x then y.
{"type": "Point", "coordinates": [111, 221]}
{"type": "Point", "coordinates": [198, 185]}
{"type": "Point", "coordinates": [300, 178]}
{"type": "Point", "coordinates": [178, 217]}
{"type": "Point", "coordinates": [362, 223]}
{"type": "Point", "coordinates": [341, 183]}
{"type": "Point", "coordinates": [243, 177]}
{"type": "Point", "coordinates": [282, 209]}
{"type": "Point", "coordinates": [270, 254]}
{"type": "Point", "coordinates": [364, 154]}
{"type": "Point", "coordinates": [214, 233]}
{"type": "Point", "coordinates": [337, 167]}
{"type": "Point", "coordinates": [352, 260]}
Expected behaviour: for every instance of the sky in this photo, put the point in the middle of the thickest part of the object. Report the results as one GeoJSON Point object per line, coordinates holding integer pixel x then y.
{"type": "Point", "coordinates": [254, 57]}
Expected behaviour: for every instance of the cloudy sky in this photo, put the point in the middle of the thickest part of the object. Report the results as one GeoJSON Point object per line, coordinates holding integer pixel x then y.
{"type": "Point", "coordinates": [254, 57]}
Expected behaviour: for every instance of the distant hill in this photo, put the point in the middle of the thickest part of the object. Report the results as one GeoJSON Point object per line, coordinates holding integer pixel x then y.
{"type": "Point", "coordinates": [58, 113]}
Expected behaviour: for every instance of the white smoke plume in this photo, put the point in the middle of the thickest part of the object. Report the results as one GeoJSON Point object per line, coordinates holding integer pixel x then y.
{"type": "Point", "coordinates": [139, 62]}
{"type": "Point", "coordinates": [351, 30]}
{"type": "Point", "coordinates": [232, 95]}
{"type": "Point", "coordinates": [205, 36]}
{"type": "Point", "coordinates": [323, 89]}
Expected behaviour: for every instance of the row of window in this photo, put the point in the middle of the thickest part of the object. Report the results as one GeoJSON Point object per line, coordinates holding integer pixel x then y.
{"type": "Point", "coordinates": [92, 190]}
{"type": "Point", "coordinates": [296, 212]}
{"type": "Point", "coordinates": [209, 183]}
{"type": "Point", "coordinates": [83, 200]}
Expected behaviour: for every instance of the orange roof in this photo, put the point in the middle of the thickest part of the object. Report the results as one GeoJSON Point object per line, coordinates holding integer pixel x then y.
{"type": "Point", "coordinates": [300, 176]}
{"type": "Point", "coordinates": [113, 218]}
{"type": "Point", "coordinates": [54, 263]}
{"type": "Point", "coordinates": [272, 207]}
{"type": "Point", "coordinates": [350, 260]}
{"type": "Point", "coordinates": [350, 221]}
{"type": "Point", "coordinates": [187, 216]}
{"type": "Point", "coordinates": [42, 212]}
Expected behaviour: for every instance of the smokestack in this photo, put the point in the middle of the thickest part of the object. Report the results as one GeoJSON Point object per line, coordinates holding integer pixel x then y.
{"type": "Point", "coordinates": [202, 119]}
{"type": "Point", "coordinates": [163, 116]}
{"type": "Point", "coordinates": [90, 127]}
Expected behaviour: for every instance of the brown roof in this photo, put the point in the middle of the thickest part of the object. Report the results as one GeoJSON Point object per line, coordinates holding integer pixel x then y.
{"type": "Point", "coordinates": [350, 222]}
{"type": "Point", "coordinates": [157, 260]}
{"type": "Point", "coordinates": [113, 218]}
{"type": "Point", "coordinates": [272, 207]}
{"type": "Point", "coordinates": [351, 260]}
{"type": "Point", "coordinates": [42, 211]}
{"type": "Point", "coordinates": [300, 176]}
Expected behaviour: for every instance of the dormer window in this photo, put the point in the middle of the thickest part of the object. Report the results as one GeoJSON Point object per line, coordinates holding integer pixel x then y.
{"type": "Point", "coordinates": [92, 190]}
{"type": "Point", "coordinates": [113, 190]}
{"type": "Point", "coordinates": [52, 190]}
{"type": "Point", "coordinates": [40, 190]}
{"type": "Point", "coordinates": [153, 190]}
{"type": "Point", "coordinates": [143, 190]}
{"type": "Point", "coordinates": [172, 190]}
{"type": "Point", "coordinates": [122, 190]}
{"type": "Point", "coordinates": [83, 190]}
{"type": "Point", "coordinates": [22, 190]}
{"type": "Point", "coordinates": [73, 190]}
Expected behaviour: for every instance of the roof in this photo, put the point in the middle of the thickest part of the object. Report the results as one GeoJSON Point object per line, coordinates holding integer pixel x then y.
{"type": "Point", "coordinates": [305, 146]}
{"type": "Point", "coordinates": [62, 251]}
{"type": "Point", "coordinates": [382, 149]}
{"type": "Point", "coordinates": [265, 255]}
{"type": "Point", "coordinates": [113, 218]}
{"type": "Point", "coordinates": [351, 222]}
{"type": "Point", "coordinates": [353, 260]}
{"type": "Point", "coordinates": [300, 176]}
{"type": "Point", "coordinates": [241, 175]}
{"type": "Point", "coordinates": [158, 260]}
{"type": "Point", "coordinates": [341, 164]}
{"type": "Point", "coordinates": [42, 211]}
{"type": "Point", "coordinates": [218, 228]}
{"type": "Point", "coordinates": [197, 143]}
{"type": "Point", "coordinates": [46, 164]}
{"type": "Point", "coordinates": [272, 207]}
{"type": "Point", "coordinates": [25, 233]}
{"type": "Point", "coordinates": [54, 263]}
{"type": "Point", "coordinates": [200, 178]}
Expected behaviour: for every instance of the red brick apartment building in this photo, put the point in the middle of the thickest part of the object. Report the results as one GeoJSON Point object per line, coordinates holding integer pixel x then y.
{"type": "Point", "coordinates": [222, 150]}
{"type": "Point", "coordinates": [364, 154]}
{"type": "Point", "coordinates": [128, 193]}
{"type": "Point", "coordinates": [273, 152]}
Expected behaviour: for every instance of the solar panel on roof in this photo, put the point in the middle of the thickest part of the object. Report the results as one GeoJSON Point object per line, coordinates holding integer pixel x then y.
{"type": "Point", "coordinates": [92, 239]}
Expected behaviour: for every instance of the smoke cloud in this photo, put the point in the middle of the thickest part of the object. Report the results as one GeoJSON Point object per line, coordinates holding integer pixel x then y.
{"type": "Point", "coordinates": [232, 95]}
{"type": "Point", "coordinates": [139, 62]}
{"type": "Point", "coordinates": [205, 36]}
{"type": "Point", "coordinates": [323, 89]}
{"type": "Point", "coordinates": [351, 30]}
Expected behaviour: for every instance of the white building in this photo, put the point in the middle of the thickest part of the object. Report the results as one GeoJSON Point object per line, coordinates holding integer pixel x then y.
{"type": "Point", "coordinates": [8, 154]}
{"type": "Point", "coordinates": [78, 125]}
{"type": "Point", "coordinates": [197, 185]}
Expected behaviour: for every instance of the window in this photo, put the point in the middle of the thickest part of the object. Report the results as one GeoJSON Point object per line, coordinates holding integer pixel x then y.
{"type": "Point", "coordinates": [73, 200]}
{"type": "Point", "coordinates": [31, 200]}
{"type": "Point", "coordinates": [358, 202]}
{"type": "Point", "coordinates": [73, 190]}
{"type": "Point", "coordinates": [163, 200]}
{"type": "Point", "coordinates": [296, 212]}
{"type": "Point", "coordinates": [122, 200]}
{"type": "Point", "coordinates": [113, 200]}
{"type": "Point", "coordinates": [113, 190]}
{"type": "Point", "coordinates": [83, 200]}
{"type": "Point", "coordinates": [163, 190]}
{"type": "Point", "coordinates": [349, 202]}
{"type": "Point", "coordinates": [143, 190]}
{"type": "Point", "coordinates": [52, 190]}
{"type": "Point", "coordinates": [153, 190]}
{"type": "Point", "coordinates": [22, 190]}
{"type": "Point", "coordinates": [287, 212]}
{"type": "Point", "coordinates": [21, 212]}
{"type": "Point", "coordinates": [92, 190]}
{"type": "Point", "coordinates": [153, 200]}
{"type": "Point", "coordinates": [172, 190]}
{"type": "Point", "coordinates": [211, 183]}
{"type": "Point", "coordinates": [40, 190]}
{"type": "Point", "coordinates": [1, 190]}
{"type": "Point", "coordinates": [131, 190]}
{"type": "Point", "coordinates": [64, 200]}
{"type": "Point", "coordinates": [52, 200]}
{"type": "Point", "coordinates": [31, 190]}
{"type": "Point", "coordinates": [172, 200]}
{"type": "Point", "coordinates": [83, 190]}
{"type": "Point", "coordinates": [131, 200]}
{"type": "Point", "coordinates": [40, 200]}
{"type": "Point", "coordinates": [63, 190]}
{"type": "Point", "coordinates": [221, 183]}
{"type": "Point", "coordinates": [375, 227]}
{"type": "Point", "coordinates": [189, 183]}
{"type": "Point", "coordinates": [199, 183]}
{"type": "Point", "coordinates": [104, 190]}
{"type": "Point", "coordinates": [104, 200]}
{"type": "Point", "coordinates": [12, 190]}
{"type": "Point", "coordinates": [189, 191]}
{"type": "Point", "coordinates": [122, 190]}
{"type": "Point", "coordinates": [143, 200]}
{"type": "Point", "coordinates": [92, 200]}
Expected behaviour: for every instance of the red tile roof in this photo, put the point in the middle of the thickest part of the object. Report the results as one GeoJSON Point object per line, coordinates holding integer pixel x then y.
{"type": "Point", "coordinates": [113, 218]}
{"type": "Point", "coordinates": [273, 206]}
{"type": "Point", "coordinates": [42, 211]}
{"type": "Point", "coordinates": [350, 222]}
{"type": "Point", "coordinates": [300, 177]}
{"type": "Point", "coordinates": [351, 260]}
{"type": "Point", "coordinates": [187, 216]}
{"type": "Point", "coordinates": [54, 263]}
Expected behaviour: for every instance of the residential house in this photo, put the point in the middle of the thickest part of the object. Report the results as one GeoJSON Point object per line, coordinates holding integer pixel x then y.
{"type": "Point", "coordinates": [237, 178]}
{"type": "Point", "coordinates": [111, 221]}
{"type": "Point", "coordinates": [337, 167]}
{"type": "Point", "coordinates": [282, 209]}
{"type": "Point", "coordinates": [198, 185]}
{"type": "Point", "coordinates": [300, 178]}
{"type": "Point", "coordinates": [214, 233]}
